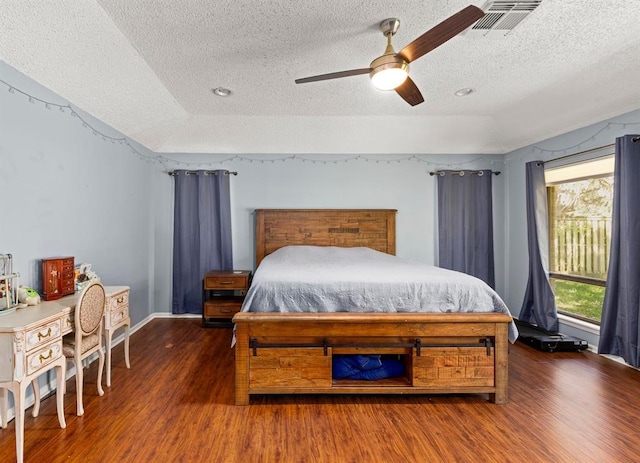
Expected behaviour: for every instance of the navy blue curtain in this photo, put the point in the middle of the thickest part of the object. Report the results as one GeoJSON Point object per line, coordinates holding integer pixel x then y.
{"type": "Point", "coordinates": [619, 329]}
{"type": "Point", "coordinates": [201, 234]}
{"type": "Point", "coordinates": [539, 305]}
{"type": "Point", "coordinates": [465, 223]}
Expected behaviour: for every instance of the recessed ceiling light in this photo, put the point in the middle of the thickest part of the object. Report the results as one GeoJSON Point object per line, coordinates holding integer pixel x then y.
{"type": "Point", "coordinates": [463, 92]}
{"type": "Point", "coordinates": [221, 91]}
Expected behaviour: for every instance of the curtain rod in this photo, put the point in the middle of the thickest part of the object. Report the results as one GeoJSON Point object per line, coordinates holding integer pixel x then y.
{"type": "Point", "coordinates": [173, 173]}
{"type": "Point", "coordinates": [611, 145]}
{"type": "Point", "coordinates": [461, 173]}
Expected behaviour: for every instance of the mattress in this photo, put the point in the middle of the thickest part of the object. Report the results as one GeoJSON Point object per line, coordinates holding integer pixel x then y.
{"type": "Point", "coordinates": [334, 279]}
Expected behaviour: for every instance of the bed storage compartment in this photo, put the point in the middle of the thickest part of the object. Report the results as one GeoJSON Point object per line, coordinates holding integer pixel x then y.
{"type": "Point", "coordinates": [301, 367]}
{"type": "Point", "coordinates": [401, 379]}
{"type": "Point", "coordinates": [452, 366]}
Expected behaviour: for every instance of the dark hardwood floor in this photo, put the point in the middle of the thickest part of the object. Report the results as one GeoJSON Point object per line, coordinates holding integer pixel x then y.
{"type": "Point", "coordinates": [176, 404]}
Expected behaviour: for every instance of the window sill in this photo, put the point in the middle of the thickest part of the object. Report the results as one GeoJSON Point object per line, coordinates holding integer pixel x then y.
{"type": "Point", "coordinates": [579, 324]}
{"type": "Point", "coordinates": [593, 329]}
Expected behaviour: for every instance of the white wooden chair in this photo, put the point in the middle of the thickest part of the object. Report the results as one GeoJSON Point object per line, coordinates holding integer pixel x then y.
{"type": "Point", "coordinates": [87, 336]}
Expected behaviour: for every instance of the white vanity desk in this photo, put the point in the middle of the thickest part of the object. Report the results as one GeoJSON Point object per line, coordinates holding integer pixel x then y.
{"type": "Point", "coordinates": [31, 344]}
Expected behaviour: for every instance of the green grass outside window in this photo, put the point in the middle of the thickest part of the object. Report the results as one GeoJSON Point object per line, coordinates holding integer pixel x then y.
{"type": "Point", "coordinates": [580, 299]}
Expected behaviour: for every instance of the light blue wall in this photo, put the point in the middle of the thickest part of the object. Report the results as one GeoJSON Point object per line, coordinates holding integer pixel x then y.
{"type": "Point", "coordinates": [319, 182]}
{"type": "Point", "coordinates": [66, 191]}
{"type": "Point", "coordinates": [594, 136]}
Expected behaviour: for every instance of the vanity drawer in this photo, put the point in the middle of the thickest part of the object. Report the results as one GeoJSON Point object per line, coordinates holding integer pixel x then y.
{"type": "Point", "coordinates": [117, 301]}
{"type": "Point", "coordinates": [44, 356]}
{"type": "Point", "coordinates": [67, 323]}
{"type": "Point", "coordinates": [118, 315]}
{"type": "Point", "coordinates": [43, 334]}
{"type": "Point", "coordinates": [117, 310]}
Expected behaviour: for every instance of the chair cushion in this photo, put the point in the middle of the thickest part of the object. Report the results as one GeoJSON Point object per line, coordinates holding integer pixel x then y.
{"type": "Point", "coordinates": [69, 344]}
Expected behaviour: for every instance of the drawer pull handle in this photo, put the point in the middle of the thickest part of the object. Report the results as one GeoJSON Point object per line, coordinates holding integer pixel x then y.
{"type": "Point", "coordinates": [48, 333]}
{"type": "Point", "coordinates": [225, 282]}
{"type": "Point", "coordinates": [43, 358]}
{"type": "Point", "coordinates": [120, 300]}
{"type": "Point", "coordinates": [225, 310]}
{"type": "Point", "coordinates": [68, 321]}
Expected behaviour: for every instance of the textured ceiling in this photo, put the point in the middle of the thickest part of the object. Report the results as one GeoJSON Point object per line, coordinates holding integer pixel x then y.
{"type": "Point", "coordinates": [147, 67]}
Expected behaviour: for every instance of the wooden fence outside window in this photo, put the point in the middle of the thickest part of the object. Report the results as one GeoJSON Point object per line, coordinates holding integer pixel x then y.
{"type": "Point", "coordinates": [581, 246]}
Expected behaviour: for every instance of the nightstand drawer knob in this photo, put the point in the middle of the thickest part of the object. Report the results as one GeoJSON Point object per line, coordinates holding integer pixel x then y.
{"type": "Point", "coordinates": [120, 300]}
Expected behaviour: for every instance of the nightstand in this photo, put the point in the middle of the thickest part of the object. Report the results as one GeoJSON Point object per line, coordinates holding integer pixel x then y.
{"type": "Point", "coordinates": [223, 292]}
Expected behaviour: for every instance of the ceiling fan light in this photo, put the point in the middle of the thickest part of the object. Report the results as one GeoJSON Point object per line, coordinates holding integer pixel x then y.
{"type": "Point", "coordinates": [389, 76]}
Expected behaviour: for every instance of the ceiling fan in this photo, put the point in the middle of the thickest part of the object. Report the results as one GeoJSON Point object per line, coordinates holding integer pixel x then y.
{"type": "Point", "coordinates": [390, 71]}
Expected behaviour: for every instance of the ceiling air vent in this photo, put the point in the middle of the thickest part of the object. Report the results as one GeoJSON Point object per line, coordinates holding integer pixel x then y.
{"type": "Point", "coordinates": [502, 16]}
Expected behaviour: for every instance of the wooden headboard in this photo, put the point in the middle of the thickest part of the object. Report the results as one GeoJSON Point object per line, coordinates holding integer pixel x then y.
{"type": "Point", "coordinates": [373, 228]}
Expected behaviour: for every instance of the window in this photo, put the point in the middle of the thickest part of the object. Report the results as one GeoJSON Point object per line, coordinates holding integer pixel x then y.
{"type": "Point", "coordinates": [580, 200]}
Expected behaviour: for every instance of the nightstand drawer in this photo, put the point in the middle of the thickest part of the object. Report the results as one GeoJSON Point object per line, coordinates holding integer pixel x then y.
{"type": "Point", "coordinates": [226, 282]}
{"type": "Point", "coordinates": [222, 307]}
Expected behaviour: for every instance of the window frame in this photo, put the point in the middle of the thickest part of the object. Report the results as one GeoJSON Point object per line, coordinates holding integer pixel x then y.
{"type": "Point", "coordinates": [601, 282]}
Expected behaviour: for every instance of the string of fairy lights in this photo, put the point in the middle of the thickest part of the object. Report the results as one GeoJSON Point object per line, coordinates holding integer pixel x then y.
{"type": "Point", "coordinates": [586, 143]}
{"type": "Point", "coordinates": [309, 159]}
{"type": "Point", "coordinates": [66, 108]}
{"type": "Point", "coordinates": [166, 161]}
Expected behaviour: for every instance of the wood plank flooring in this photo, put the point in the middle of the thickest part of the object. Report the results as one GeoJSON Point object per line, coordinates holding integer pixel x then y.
{"type": "Point", "coordinates": [176, 404]}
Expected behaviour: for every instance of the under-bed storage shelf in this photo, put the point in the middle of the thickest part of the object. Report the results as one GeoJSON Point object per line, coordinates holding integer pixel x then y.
{"type": "Point", "coordinates": [343, 385]}
{"type": "Point", "coordinates": [442, 353]}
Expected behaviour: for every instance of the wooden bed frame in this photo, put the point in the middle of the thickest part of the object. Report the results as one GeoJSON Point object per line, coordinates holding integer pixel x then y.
{"type": "Point", "coordinates": [291, 353]}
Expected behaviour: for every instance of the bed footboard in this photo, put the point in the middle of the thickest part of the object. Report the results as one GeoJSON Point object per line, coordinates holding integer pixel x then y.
{"type": "Point", "coordinates": [291, 353]}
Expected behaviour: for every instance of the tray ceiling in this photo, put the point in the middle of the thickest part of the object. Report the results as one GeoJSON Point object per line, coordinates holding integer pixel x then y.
{"type": "Point", "coordinates": [147, 68]}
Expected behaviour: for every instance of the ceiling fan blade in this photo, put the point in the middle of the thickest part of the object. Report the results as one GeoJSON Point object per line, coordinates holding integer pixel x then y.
{"type": "Point", "coordinates": [334, 75]}
{"type": "Point", "coordinates": [439, 34]}
{"type": "Point", "coordinates": [409, 92]}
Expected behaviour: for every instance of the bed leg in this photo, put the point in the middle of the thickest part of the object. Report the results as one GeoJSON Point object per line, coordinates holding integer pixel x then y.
{"type": "Point", "coordinates": [501, 395]}
{"type": "Point", "coordinates": [242, 365]}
